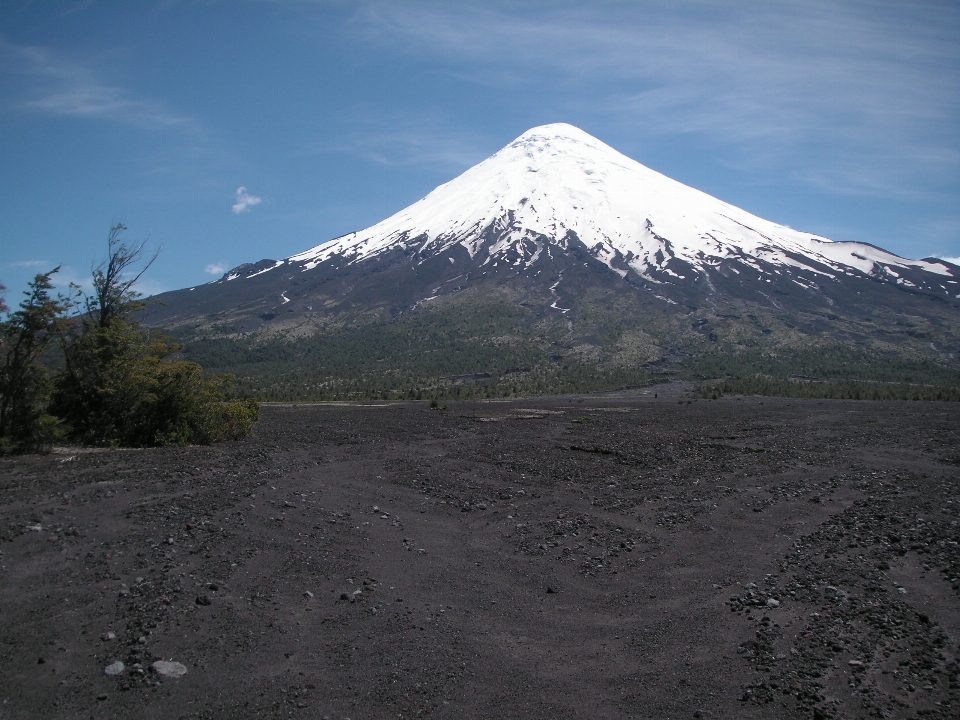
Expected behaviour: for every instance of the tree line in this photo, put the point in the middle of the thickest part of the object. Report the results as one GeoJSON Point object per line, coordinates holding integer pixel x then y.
{"type": "Point", "coordinates": [80, 368]}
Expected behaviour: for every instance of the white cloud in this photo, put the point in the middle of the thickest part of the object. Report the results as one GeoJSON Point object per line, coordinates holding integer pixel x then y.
{"type": "Point", "coordinates": [215, 269]}
{"type": "Point", "coordinates": [56, 85]}
{"type": "Point", "coordinates": [245, 201]}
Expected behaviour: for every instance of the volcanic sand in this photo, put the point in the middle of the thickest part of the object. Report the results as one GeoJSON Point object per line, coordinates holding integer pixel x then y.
{"type": "Point", "coordinates": [601, 556]}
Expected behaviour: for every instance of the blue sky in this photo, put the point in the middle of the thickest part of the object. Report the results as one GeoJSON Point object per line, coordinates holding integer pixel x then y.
{"type": "Point", "coordinates": [226, 132]}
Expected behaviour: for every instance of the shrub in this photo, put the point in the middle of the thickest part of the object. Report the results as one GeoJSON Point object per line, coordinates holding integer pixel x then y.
{"type": "Point", "coordinates": [118, 386]}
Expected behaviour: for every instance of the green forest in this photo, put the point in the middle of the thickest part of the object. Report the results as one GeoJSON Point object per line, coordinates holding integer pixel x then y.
{"type": "Point", "coordinates": [491, 351]}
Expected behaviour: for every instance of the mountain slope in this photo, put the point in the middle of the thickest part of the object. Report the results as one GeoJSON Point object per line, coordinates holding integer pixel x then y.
{"type": "Point", "coordinates": [583, 253]}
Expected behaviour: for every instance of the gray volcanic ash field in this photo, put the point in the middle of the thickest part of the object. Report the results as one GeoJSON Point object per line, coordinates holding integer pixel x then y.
{"type": "Point", "coordinates": [598, 556]}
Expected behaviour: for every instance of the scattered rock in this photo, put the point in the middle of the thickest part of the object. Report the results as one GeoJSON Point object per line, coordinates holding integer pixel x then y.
{"type": "Point", "coordinates": [114, 668]}
{"type": "Point", "coordinates": [169, 669]}
{"type": "Point", "coordinates": [771, 603]}
{"type": "Point", "coordinates": [307, 594]}
{"type": "Point", "coordinates": [203, 600]}
{"type": "Point", "coordinates": [108, 636]}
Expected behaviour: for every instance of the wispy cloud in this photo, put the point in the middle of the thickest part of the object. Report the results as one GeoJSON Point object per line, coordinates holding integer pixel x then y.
{"type": "Point", "coordinates": [148, 287]}
{"type": "Point", "coordinates": [46, 82]}
{"type": "Point", "coordinates": [410, 143]}
{"type": "Point", "coordinates": [215, 269]}
{"type": "Point", "coordinates": [69, 277]}
{"type": "Point", "coordinates": [245, 201]}
{"type": "Point", "coordinates": [28, 264]}
{"type": "Point", "coordinates": [861, 97]}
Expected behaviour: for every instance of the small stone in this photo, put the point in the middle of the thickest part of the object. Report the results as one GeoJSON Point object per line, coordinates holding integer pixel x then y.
{"type": "Point", "coordinates": [344, 596]}
{"type": "Point", "coordinates": [214, 587]}
{"type": "Point", "coordinates": [114, 668]}
{"type": "Point", "coordinates": [203, 600]}
{"type": "Point", "coordinates": [35, 528]}
{"type": "Point", "coordinates": [139, 580]}
{"type": "Point", "coordinates": [169, 541]}
{"type": "Point", "coordinates": [142, 640]}
{"type": "Point", "coordinates": [771, 603]}
{"type": "Point", "coordinates": [855, 664]}
{"type": "Point", "coordinates": [109, 636]}
{"type": "Point", "coordinates": [169, 669]}
{"type": "Point", "coordinates": [308, 594]}
{"type": "Point", "coordinates": [551, 590]}
{"type": "Point", "coordinates": [101, 697]}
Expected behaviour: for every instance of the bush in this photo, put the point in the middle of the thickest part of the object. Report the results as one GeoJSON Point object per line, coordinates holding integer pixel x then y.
{"type": "Point", "coordinates": [191, 409]}
{"type": "Point", "coordinates": [118, 386]}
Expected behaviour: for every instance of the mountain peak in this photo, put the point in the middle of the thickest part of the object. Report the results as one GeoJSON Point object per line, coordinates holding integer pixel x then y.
{"type": "Point", "coordinates": [552, 132]}
{"type": "Point", "coordinates": [556, 182]}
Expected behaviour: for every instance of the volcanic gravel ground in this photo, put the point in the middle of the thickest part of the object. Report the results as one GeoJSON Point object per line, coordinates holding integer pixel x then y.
{"type": "Point", "coordinates": [592, 557]}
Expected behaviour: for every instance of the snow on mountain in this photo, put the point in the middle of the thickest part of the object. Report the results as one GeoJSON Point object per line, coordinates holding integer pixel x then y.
{"type": "Point", "coordinates": [523, 202]}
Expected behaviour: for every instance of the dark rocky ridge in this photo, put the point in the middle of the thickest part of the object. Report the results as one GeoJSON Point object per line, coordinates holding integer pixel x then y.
{"type": "Point", "coordinates": [293, 299]}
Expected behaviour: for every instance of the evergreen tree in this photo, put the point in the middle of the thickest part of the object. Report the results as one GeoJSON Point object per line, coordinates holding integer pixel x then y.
{"type": "Point", "coordinates": [24, 381]}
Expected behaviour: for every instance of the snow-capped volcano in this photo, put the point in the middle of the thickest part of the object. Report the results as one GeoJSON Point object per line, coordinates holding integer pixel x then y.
{"type": "Point", "coordinates": [555, 182]}
{"type": "Point", "coordinates": [574, 245]}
